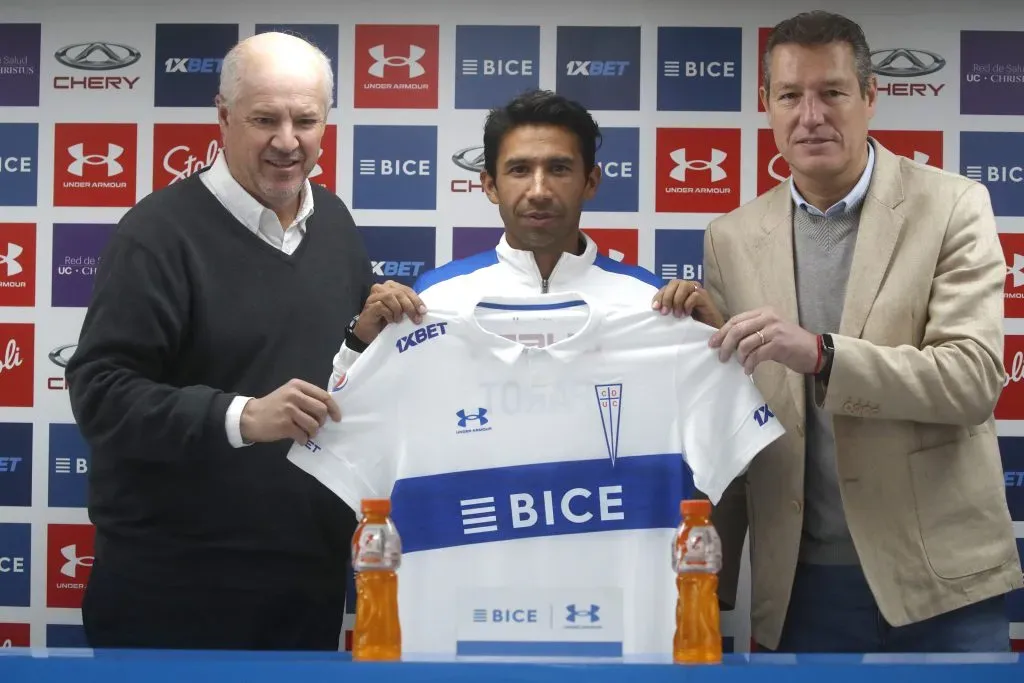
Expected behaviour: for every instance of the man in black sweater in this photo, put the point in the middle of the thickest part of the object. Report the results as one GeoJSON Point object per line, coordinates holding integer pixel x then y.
{"type": "Point", "coordinates": [217, 305]}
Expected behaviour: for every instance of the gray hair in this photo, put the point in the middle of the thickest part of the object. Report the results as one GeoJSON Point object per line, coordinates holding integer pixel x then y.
{"type": "Point", "coordinates": [233, 68]}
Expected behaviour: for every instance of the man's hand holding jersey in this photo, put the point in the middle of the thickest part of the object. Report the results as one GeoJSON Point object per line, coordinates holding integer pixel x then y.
{"type": "Point", "coordinates": [296, 410]}
{"type": "Point", "coordinates": [686, 297]}
{"type": "Point", "coordinates": [387, 303]}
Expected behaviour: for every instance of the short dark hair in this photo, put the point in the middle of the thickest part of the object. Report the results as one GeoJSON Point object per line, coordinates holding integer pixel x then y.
{"type": "Point", "coordinates": [540, 107]}
{"type": "Point", "coordinates": [820, 28]}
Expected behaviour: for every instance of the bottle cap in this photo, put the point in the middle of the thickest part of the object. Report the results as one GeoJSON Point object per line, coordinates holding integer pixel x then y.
{"type": "Point", "coordinates": [379, 506]}
{"type": "Point", "coordinates": [700, 507]}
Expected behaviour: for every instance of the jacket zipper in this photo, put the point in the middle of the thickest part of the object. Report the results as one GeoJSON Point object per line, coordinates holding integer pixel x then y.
{"type": "Point", "coordinates": [544, 286]}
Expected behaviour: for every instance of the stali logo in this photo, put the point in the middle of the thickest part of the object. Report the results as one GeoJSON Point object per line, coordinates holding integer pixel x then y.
{"type": "Point", "coordinates": [181, 149]}
{"type": "Point", "coordinates": [900, 63]}
{"type": "Point", "coordinates": [1011, 400]}
{"type": "Point", "coordinates": [469, 159]}
{"type": "Point", "coordinates": [60, 357]}
{"type": "Point", "coordinates": [96, 56]}
{"type": "Point", "coordinates": [17, 341]}
{"type": "Point", "coordinates": [1013, 292]}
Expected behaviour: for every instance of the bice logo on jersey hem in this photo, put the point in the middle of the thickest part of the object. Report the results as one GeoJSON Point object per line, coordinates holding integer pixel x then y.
{"type": "Point", "coordinates": [698, 170]}
{"type": "Point", "coordinates": [1013, 292]}
{"type": "Point", "coordinates": [396, 66]}
{"type": "Point", "coordinates": [471, 420]}
{"type": "Point", "coordinates": [94, 164]}
{"type": "Point", "coordinates": [69, 558]}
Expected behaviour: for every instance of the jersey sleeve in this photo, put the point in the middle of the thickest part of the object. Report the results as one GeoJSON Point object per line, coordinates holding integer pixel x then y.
{"type": "Point", "coordinates": [723, 419]}
{"type": "Point", "coordinates": [356, 458]}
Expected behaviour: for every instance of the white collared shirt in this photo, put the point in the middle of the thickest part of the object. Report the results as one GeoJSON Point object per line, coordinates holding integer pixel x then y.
{"type": "Point", "coordinates": [848, 203]}
{"type": "Point", "coordinates": [263, 223]}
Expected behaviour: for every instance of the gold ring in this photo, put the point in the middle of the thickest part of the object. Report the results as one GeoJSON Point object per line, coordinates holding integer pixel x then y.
{"type": "Point", "coordinates": [761, 336]}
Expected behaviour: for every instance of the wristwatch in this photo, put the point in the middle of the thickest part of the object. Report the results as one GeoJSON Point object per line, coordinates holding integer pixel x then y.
{"type": "Point", "coordinates": [828, 351]}
{"type": "Point", "coordinates": [351, 340]}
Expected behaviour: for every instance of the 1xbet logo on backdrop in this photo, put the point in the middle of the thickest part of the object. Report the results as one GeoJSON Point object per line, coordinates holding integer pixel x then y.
{"type": "Point", "coordinates": [1013, 291]}
{"type": "Point", "coordinates": [69, 557]}
{"type": "Point", "coordinates": [77, 251]}
{"type": "Point", "coordinates": [19, 64]}
{"type": "Point", "coordinates": [396, 67]}
{"type": "Point", "coordinates": [679, 254]}
{"type": "Point", "coordinates": [17, 264]}
{"type": "Point", "coordinates": [15, 464]}
{"type": "Point", "coordinates": [992, 72]}
{"type": "Point", "coordinates": [698, 170]}
{"type": "Point", "coordinates": [399, 253]}
{"type": "Point", "coordinates": [619, 159]}
{"type": "Point", "coordinates": [188, 61]}
{"type": "Point", "coordinates": [94, 164]}
{"type": "Point", "coordinates": [15, 564]}
{"type": "Point", "coordinates": [599, 66]}
{"type": "Point", "coordinates": [394, 167]}
{"type": "Point", "coordinates": [19, 146]}
{"type": "Point", "coordinates": [923, 146]}
{"type": "Point", "coordinates": [699, 69]}
{"type": "Point", "coordinates": [17, 364]}
{"type": "Point", "coordinates": [493, 64]}
{"type": "Point", "coordinates": [997, 160]}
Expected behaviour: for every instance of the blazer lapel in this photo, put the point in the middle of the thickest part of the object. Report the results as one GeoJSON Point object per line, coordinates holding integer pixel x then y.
{"type": "Point", "coordinates": [877, 234]}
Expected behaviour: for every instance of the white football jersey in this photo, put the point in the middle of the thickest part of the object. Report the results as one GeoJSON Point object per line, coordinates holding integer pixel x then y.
{"type": "Point", "coordinates": [536, 486]}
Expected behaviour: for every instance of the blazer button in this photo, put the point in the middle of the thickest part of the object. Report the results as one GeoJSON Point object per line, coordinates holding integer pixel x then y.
{"type": "Point", "coordinates": [797, 506]}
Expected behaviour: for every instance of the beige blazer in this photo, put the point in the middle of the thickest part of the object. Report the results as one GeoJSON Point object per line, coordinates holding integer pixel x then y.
{"type": "Point", "coordinates": [917, 371]}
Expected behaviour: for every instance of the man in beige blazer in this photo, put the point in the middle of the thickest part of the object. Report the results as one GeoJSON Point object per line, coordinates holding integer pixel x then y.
{"type": "Point", "coordinates": [866, 299]}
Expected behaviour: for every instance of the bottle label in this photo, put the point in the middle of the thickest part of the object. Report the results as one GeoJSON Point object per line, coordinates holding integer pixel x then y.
{"type": "Point", "coordinates": [702, 551]}
{"type": "Point", "coordinates": [378, 547]}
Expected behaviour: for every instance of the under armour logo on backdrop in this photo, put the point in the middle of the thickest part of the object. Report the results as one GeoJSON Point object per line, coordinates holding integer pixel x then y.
{"type": "Point", "coordinates": [412, 61]}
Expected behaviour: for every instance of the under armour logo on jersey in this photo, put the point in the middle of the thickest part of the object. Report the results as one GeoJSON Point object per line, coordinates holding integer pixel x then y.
{"type": "Point", "coordinates": [81, 159]}
{"type": "Point", "coordinates": [682, 165]}
{"type": "Point", "coordinates": [412, 61]}
{"type": "Point", "coordinates": [762, 415]}
{"type": "Point", "coordinates": [609, 399]}
{"type": "Point", "coordinates": [479, 416]}
{"type": "Point", "coordinates": [575, 614]}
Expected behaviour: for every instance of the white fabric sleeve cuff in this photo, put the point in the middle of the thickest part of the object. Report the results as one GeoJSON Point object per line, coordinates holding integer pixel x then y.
{"type": "Point", "coordinates": [233, 421]}
{"type": "Point", "coordinates": [343, 360]}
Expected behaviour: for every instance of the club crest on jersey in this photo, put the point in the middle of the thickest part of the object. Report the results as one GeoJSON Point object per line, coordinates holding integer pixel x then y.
{"type": "Point", "coordinates": [609, 402]}
{"type": "Point", "coordinates": [340, 384]}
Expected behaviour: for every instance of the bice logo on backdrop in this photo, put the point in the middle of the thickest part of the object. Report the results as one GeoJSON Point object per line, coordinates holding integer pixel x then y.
{"type": "Point", "coordinates": [14, 635]}
{"type": "Point", "coordinates": [1011, 400]}
{"type": "Point", "coordinates": [396, 67]}
{"type": "Point", "coordinates": [679, 254]}
{"type": "Point", "coordinates": [618, 244]}
{"type": "Point", "coordinates": [992, 72]}
{"type": "Point", "coordinates": [1013, 293]}
{"type": "Point", "coordinates": [70, 459]}
{"type": "Point", "coordinates": [19, 147]}
{"type": "Point", "coordinates": [188, 61]}
{"type": "Point", "coordinates": [394, 167]}
{"type": "Point", "coordinates": [599, 66]}
{"type": "Point", "coordinates": [15, 465]}
{"type": "Point", "coordinates": [15, 564]}
{"type": "Point", "coordinates": [94, 164]}
{"type": "Point", "coordinates": [698, 170]}
{"type": "Point", "coordinates": [699, 69]}
{"type": "Point", "coordinates": [619, 159]}
{"type": "Point", "coordinates": [181, 149]}
{"type": "Point", "coordinates": [901, 70]}
{"type": "Point", "coordinates": [997, 160]}
{"type": "Point", "coordinates": [17, 364]}
{"type": "Point", "coordinates": [77, 251]}
{"type": "Point", "coordinates": [17, 264]}
{"type": "Point", "coordinates": [494, 63]}
{"type": "Point", "coordinates": [69, 556]}
{"type": "Point", "coordinates": [399, 253]}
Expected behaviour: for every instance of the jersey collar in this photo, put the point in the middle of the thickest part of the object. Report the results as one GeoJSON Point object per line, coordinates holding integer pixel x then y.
{"type": "Point", "coordinates": [509, 351]}
{"type": "Point", "coordinates": [569, 268]}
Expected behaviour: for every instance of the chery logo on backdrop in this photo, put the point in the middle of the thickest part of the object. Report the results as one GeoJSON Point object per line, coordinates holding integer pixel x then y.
{"type": "Point", "coordinates": [396, 67]}
{"type": "Point", "coordinates": [94, 164]}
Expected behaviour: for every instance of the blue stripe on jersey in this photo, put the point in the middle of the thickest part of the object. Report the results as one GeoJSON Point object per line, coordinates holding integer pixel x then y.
{"type": "Point", "coordinates": [533, 307]}
{"type": "Point", "coordinates": [452, 269]}
{"type": "Point", "coordinates": [642, 274]}
{"type": "Point", "coordinates": [548, 499]}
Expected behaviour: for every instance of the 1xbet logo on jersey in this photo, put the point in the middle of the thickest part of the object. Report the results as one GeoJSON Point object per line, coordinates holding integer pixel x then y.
{"type": "Point", "coordinates": [94, 164]}
{"type": "Point", "coordinates": [188, 60]}
{"type": "Point", "coordinates": [493, 64]}
{"type": "Point", "coordinates": [396, 67]}
{"type": "Point", "coordinates": [699, 69]}
{"type": "Point", "coordinates": [599, 66]}
{"type": "Point", "coordinates": [619, 159]}
{"type": "Point", "coordinates": [698, 170]}
{"type": "Point", "coordinates": [997, 160]}
{"type": "Point", "coordinates": [19, 145]}
{"type": "Point", "coordinates": [394, 167]}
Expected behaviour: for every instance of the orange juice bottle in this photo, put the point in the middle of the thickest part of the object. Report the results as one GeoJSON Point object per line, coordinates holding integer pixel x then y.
{"type": "Point", "coordinates": [697, 559]}
{"type": "Point", "coordinates": [376, 555]}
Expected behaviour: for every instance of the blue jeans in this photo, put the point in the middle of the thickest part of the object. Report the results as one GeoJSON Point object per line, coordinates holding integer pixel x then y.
{"type": "Point", "coordinates": [832, 610]}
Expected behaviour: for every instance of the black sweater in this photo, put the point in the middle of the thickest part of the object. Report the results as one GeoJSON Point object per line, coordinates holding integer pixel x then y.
{"type": "Point", "coordinates": [189, 310]}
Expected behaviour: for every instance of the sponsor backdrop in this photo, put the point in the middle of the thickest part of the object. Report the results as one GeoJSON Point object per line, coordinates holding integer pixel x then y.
{"type": "Point", "coordinates": [99, 107]}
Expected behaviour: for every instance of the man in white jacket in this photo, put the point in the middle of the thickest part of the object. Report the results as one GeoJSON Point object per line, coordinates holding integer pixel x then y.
{"type": "Point", "coordinates": [539, 170]}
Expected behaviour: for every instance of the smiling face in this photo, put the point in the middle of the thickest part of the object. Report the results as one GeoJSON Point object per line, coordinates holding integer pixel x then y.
{"type": "Point", "coordinates": [273, 125]}
{"type": "Point", "coordinates": [540, 187]}
{"type": "Point", "coordinates": [818, 114]}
